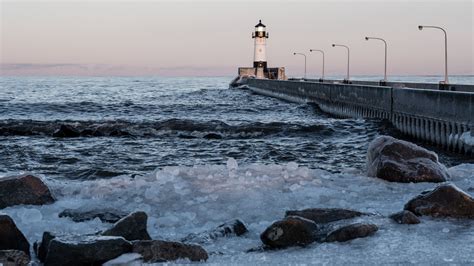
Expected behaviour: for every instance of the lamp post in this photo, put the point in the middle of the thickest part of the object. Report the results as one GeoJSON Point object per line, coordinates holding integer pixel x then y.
{"type": "Point", "coordinates": [385, 43]}
{"type": "Point", "coordinates": [322, 52]}
{"type": "Point", "coordinates": [348, 57]}
{"type": "Point", "coordinates": [445, 50]}
{"type": "Point", "coordinates": [304, 62]}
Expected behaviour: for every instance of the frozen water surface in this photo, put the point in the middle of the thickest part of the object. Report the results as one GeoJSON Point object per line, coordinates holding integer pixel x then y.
{"type": "Point", "coordinates": [184, 200]}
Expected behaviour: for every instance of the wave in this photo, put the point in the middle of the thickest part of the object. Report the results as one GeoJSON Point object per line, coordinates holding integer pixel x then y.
{"type": "Point", "coordinates": [182, 128]}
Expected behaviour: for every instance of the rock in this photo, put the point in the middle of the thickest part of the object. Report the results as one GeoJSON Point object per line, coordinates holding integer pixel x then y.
{"type": "Point", "coordinates": [405, 217]}
{"type": "Point", "coordinates": [66, 131]}
{"type": "Point", "coordinates": [444, 201]}
{"type": "Point", "coordinates": [154, 251]}
{"type": "Point", "coordinates": [352, 231]}
{"type": "Point", "coordinates": [41, 248]}
{"type": "Point", "coordinates": [401, 161]}
{"type": "Point", "coordinates": [85, 250]}
{"type": "Point", "coordinates": [24, 189]}
{"type": "Point", "coordinates": [13, 257]}
{"type": "Point", "coordinates": [11, 237]}
{"type": "Point", "coordinates": [291, 231]}
{"type": "Point", "coordinates": [234, 227]}
{"type": "Point", "coordinates": [212, 136]}
{"type": "Point", "coordinates": [119, 133]}
{"type": "Point", "coordinates": [321, 215]}
{"type": "Point", "coordinates": [131, 227]}
{"type": "Point", "coordinates": [105, 215]}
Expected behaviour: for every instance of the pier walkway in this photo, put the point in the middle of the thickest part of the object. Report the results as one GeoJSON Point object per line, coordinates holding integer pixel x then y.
{"type": "Point", "coordinates": [423, 111]}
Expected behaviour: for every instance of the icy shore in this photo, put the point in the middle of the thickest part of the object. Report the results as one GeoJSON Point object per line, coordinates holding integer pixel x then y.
{"type": "Point", "coordinates": [184, 200]}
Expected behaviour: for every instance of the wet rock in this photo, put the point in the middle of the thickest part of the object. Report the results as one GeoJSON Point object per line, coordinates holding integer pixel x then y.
{"type": "Point", "coordinates": [322, 215]}
{"type": "Point", "coordinates": [119, 133]}
{"type": "Point", "coordinates": [352, 231]}
{"type": "Point", "coordinates": [401, 161]}
{"type": "Point", "coordinates": [105, 215]}
{"type": "Point", "coordinates": [41, 248]}
{"type": "Point", "coordinates": [85, 250]}
{"type": "Point", "coordinates": [24, 189]}
{"type": "Point", "coordinates": [11, 237]}
{"type": "Point", "coordinates": [131, 227]}
{"type": "Point", "coordinates": [13, 257]}
{"type": "Point", "coordinates": [444, 201]}
{"type": "Point", "coordinates": [212, 136]}
{"type": "Point", "coordinates": [291, 231]}
{"type": "Point", "coordinates": [66, 131]}
{"type": "Point", "coordinates": [405, 217]}
{"type": "Point", "coordinates": [234, 227]}
{"type": "Point", "coordinates": [154, 251]}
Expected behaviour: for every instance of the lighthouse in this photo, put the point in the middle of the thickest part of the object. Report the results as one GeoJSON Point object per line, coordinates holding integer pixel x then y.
{"type": "Point", "coordinates": [259, 56]}
{"type": "Point", "coordinates": [260, 70]}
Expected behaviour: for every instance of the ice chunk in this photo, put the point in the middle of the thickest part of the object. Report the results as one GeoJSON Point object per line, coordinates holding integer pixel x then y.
{"type": "Point", "coordinates": [232, 164]}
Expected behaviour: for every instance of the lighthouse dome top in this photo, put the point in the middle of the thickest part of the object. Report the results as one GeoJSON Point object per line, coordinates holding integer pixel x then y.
{"type": "Point", "coordinates": [260, 24]}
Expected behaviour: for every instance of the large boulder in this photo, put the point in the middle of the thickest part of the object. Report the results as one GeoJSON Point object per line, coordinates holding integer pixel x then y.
{"type": "Point", "coordinates": [85, 250]}
{"type": "Point", "coordinates": [291, 231]}
{"type": "Point", "coordinates": [324, 215]}
{"type": "Point", "coordinates": [41, 248]}
{"type": "Point", "coordinates": [105, 215]}
{"type": "Point", "coordinates": [401, 161]}
{"type": "Point", "coordinates": [13, 257]}
{"type": "Point", "coordinates": [351, 231]}
{"type": "Point", "coordinates": [444, 201]}
{"type": "Point", "coordinates": [11, 237]}
{"type": "Point", "coordinates": [24, 189]}
{"type": "Point", "coordinates": [153, 251]}
{"type": "Point", "coordinates": [405, 217]}
{"type": "Point", "coordinates": [131, 227]}
{"type": "Point", "coordinates": [230, 228]}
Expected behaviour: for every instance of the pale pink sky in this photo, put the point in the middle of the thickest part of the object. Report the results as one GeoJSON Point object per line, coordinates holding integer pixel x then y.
{"type": "Point", "coordinates": [214, 37]}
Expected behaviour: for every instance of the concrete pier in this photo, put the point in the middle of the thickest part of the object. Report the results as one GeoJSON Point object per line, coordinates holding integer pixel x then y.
{"type": "Point", "coordinates": [441, 117]}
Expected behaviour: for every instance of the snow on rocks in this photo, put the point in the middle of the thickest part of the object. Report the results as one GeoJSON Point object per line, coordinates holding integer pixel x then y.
{"type": "Point", "coordinates": [401, 161]}
{"type": "Point", "coordinates": [405, 217]}
{"type": "Point", "coordinates": [11, 237]}
{"type": "Point", "coordinates": [13, 257]}
{"type": "Point", "coordinates": [324, 215]}
{"type": "Point", "coordinates": [127, 259]}
{"type": "Point", "coordinates": [444, 201]}
{"type": "Point", "coordinates": [106, 215]}
{"type": "Point", "coordinates": [161, 251]}
{"type": "Point", "coordinates": [23, 189]}
{"type": "Point", "coordinates": [131, 227]}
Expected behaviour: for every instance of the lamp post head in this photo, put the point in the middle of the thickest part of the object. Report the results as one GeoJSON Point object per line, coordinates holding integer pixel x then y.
{"type": "Point", "coordinates": [310, 50]}
{"type": "Point", "coordinates": [294, 53]}
{"type": "Point", "coordinates": [420, 27]}
{"type": "Point", "coordinates": [366, 38]}
{"type": "Point", "coordinates": [333, 45]}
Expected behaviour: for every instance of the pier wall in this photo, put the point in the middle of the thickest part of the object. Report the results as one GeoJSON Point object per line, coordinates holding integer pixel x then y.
{"type": "Point", "coordinates": [412, 85]}
{"type": "Point", "coordinates": [444, 118]}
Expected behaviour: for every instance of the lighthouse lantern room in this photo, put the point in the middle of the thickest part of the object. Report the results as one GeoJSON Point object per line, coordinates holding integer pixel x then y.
{"type": "Point", "coordinates": [260, 35]}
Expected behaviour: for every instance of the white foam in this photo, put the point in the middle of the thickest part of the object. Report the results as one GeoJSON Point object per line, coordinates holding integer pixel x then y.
{"type": "Point", "coordinates": [184, 200]}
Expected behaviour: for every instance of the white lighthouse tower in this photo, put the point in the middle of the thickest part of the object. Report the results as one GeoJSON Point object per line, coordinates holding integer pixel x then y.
{"type": "Point", "coordinates": [259, 56]}
{"type": "Point", "coordinates": [260, 69]}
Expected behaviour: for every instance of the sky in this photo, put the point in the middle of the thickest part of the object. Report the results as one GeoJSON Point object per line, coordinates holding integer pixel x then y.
{"type": "Point", "coordinates": [213, 38]}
